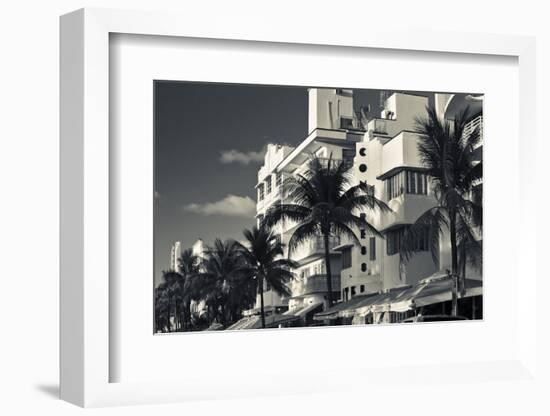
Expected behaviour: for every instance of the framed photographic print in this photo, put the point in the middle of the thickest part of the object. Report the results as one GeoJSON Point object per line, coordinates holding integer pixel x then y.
{"type": "Point", "coordinates": [321, 214]}
{"type": "Point", "coordinates": [300, 232]}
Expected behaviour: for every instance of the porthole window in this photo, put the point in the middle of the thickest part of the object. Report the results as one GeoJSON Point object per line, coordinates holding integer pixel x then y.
{"type": "Point", "coordinates": [363, 151]}
{"type": "Point", "coordinates": [362, 167]}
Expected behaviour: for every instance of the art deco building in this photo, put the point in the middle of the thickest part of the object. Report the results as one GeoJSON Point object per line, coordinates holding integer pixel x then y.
{"type": "Point", "coordinates": [382, 152]}
{"type": "Point", "coordinates": [334, 130]}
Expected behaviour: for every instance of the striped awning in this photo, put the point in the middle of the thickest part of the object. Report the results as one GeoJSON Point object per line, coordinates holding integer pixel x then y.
{"type": "Point", "coordinates": [435, 289]}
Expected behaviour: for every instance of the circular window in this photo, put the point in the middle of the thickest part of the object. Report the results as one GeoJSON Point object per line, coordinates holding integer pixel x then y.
{"type": "Point", "coordinates": [363, 267]}
{"type": "Point", "coordinates": [362, 167]}
{"type": "Point", "coordinates": [362, 151]}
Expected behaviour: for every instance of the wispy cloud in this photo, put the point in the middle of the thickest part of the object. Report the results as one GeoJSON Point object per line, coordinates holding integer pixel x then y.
{"type": "Point", "coordinates": [236, 156]}
{"type": "Point", "coordinates": [231, 206]}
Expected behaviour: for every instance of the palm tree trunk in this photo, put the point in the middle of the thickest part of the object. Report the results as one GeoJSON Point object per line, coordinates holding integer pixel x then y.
{"type": "Point", "coordinates": [329, 273]}
{"type": "Point", "coordinates": [462, 281]}
{"type": "Point", "coordinates": [169, 313]}
{"type": "Point", "coordinates": [454, 263]}
{"type": "Point", "coordinates": [261, 283]}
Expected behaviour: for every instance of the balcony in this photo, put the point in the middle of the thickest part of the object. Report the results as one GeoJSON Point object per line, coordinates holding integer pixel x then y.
{"type": "Point", "coordinates": [316, 283]}
{"type": "Point", "coordinates": [471, 126]}
{"type": "Point", "coordinates": [314, 247]}
{"type": "Point", "coordinates": [378, 126]}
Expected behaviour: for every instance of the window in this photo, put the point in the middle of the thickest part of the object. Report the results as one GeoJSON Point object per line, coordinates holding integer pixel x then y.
{"type": "Point", "coordinates": [362, 168]}
{"type": "Point", "coordinates": [363, 267]}
{"type": "Point", "coordinates": [363, 250]}
{"type": "Point", "coordinates": [372, 244]}
{"type": "Point", "coordinates": [261, 192]}
{"type": "Point", "coordinates": [362, 288]}
{"type": "Point", "coordinates": [421, 240]}
{"type": "Point", "coordinates": [406, 181]}
{"type": "Point", "coordinates": [319, 268]}
{"type": "Point", "coordinates": [394, 240]}
{"type": "Point", "coordinates": [417, 183]}
{"type": "Point", "coordinates": [353, 291]}
{"type": "Point", "coordinates": [268, 182]}
{"type": "Point", "coordinates": [278, 179]}
{"type": "Point", "coordinates": [346, 123]}
{"type": "Point", "coordinates": [346, 258]}
{"type": "Point", "coordinates": [394, 185]}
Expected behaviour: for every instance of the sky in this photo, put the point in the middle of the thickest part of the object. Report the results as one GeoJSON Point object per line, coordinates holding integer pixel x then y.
{"type": "Point", "coordinates": [209, 141]}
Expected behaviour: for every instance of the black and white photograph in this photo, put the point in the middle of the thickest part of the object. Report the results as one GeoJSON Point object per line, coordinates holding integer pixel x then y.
{"type": "Point", "coordinates": [304, 206]}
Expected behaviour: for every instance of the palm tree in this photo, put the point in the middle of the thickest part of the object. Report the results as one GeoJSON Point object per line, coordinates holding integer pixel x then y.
{"type": "Point", "coordinates": [323, 203]}
{"type": "Point", "coordinates": [162, 308]}
{"type": "Point", "coordinates": [223, 283]}
{"type": "Point", "coordinates": [188, 268]}
{"type": "Point", "coordinates": [263, 255]}
{"type": "Point", "coordinates": [448, 156]}
{"type": "Point", "coordinates": [168, 293]}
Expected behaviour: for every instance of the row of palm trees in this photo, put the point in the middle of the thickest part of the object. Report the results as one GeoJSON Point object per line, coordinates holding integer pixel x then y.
{"type": "Point", "coordinates": [322, 202]}
{"type": "Point", "coordinates": [223, 283]}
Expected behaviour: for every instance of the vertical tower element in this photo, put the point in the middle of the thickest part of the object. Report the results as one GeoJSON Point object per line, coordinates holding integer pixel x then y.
{"type": "Point", "coordinates": [360, 172]}
{"type": "Point", "coordinates": [330, 109]}
{"type": "Point", "coordinates": [175, 254]}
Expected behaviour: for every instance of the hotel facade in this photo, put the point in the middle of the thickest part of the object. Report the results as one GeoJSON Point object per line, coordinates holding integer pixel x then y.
{"type": "Point", "coordinates": [381, 151]}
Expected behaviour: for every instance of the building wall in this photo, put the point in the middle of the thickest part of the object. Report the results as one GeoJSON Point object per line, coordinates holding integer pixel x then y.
{"type": "Point", "coordinates": [175, 253]}
{"type": "Point", "coordinates": [390, 145]}
{"type": "Point", "coordinates": [327, 106]}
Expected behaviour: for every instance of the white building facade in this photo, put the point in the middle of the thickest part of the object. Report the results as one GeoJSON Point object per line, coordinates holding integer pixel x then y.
{"type": "Point", "coordinates": [175, 254]}
{"type": "Point", "coordinates": [334, 129]}
{"type": "Point", "coordinates": [382, 152]}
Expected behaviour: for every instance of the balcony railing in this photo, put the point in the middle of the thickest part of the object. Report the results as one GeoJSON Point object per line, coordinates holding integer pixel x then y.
{"type": "Point", "coordinates": [378, 126]}
{"type": "Point", "coordinates": [315, 246]}
{"type": "Point", "coordinates": [313, 284]}
{"type": "Point", "coordinates": [472, 125]}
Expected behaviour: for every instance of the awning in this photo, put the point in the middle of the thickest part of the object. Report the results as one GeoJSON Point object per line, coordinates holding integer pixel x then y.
{"type": "Point", "coordinates": [382, 299]}
{"type": "Point", "coordinates": [303, 311]}
{"type": "Point", "coordinates": [273, 321]}
{"type": "Point", "coordinates": [255, 322]}
{"type": "Point", "coordinates": [434, 289]}
{"type": "Point", "coordinates": [334, 312]}
{"type": "Point", "coordinates": [244, 323]}
{"type": "Point", "coordinates": [342, 247]}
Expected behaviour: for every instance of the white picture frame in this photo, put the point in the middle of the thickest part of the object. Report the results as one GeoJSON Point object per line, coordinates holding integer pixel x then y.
{"type": "Point", "coordinates": [85, 164]}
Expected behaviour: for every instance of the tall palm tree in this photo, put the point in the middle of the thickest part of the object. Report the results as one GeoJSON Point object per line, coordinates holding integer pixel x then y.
{"type": "Point", "coordinates": [323, 202]}
{"type": "Point", "coordinates": [448, 156]}
{"type": "Point", "coordinates": [263, 253]}
{"type": "Point", "coordinates": [222, 280]}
